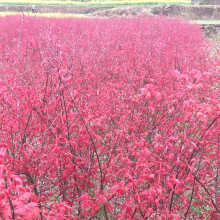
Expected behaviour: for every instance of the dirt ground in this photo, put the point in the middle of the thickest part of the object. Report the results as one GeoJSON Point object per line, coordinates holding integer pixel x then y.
{"type": "Point", "coordinates": [192, 12]}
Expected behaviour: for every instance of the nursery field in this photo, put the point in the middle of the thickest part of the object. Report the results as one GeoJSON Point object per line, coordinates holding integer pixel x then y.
{"type": "Point", "coordinates": [95, 2]}
{"type": "Point", "coordinates": [108, 119]}
{"type": "Point", "coordinates": [69, 15]}
{"type": "Point", "coordinates": [48, 15]}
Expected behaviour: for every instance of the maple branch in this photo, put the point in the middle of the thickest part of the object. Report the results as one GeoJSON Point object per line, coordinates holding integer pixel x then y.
{"type": "Point", "coordinates": [35, 190]}
{"type": "Point", "coordinates": [210, 125]}
{"type": "Point", "coordinates": [101, 207]}
{"type": "Point", "coordinates": [203, 134]}
{"type": "Point", "coordinates": [91, 139]}
{"type": "Point", "coordinates": [213, 203]}
{"type": "Point", "coordinates": [105, 211]}
{"type": "Point", "coordinates": [25, 130]}
{"type": "Point", "coordinates": [134, 213]}
{"type": "Point", "coordinates": [44, 122]}
{"type": "Point", "coordinates": [10, 202]}
{"type": "Point", "coordinates": [142, 214]}
{"type": "Point", "coordinates": [12, 208]}
{"type": "Point", "coordinates": [13, 148]}
{"type": "Point", "coordinates": [67, 119]}
{"type": "Point", "coordinates": [173, 193]}
{"type": "Point", "coordinates": [93, 144]}
{"type": "Point", "coordinates": [172, 197]}
{"type": "Point", "coordinates": [96, 152]}
{"type": "Point", "coordinates": [113, 150]}
{"type": "Point", "coordinates": [199, 180]}
{"type": "Point", "coordinates": [191, 197]}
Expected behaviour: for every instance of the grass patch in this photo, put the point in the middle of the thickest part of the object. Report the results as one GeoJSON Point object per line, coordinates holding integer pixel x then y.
{"type": "Point", "coordinates": [48, 15]}
{"type": "Point", "coordinates": [206, 21]}
{"type": "Point", "coordinates": [94, 2]}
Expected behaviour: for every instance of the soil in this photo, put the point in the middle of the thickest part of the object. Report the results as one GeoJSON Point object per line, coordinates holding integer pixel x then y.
{"type": "Point", "coordinates": [189, 12]}
{"type": "Point", "coordinates": [212, 31]}
{"type": "Point", "coordinates": [206, 2]}
{"type": "Point", "coordinates": [123, 12]}
{"type": "Point", "coordinates": [192, 12]}
{"type": "Point", "coordinates": [55, 8]}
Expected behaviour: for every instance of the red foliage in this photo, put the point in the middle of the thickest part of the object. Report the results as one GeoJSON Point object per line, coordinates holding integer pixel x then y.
{"type": "Point", "coordinates": [108, 119]}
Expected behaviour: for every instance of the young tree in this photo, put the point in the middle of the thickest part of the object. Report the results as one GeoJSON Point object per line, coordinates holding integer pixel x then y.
{"type": "Point", "coordinates": [108, 119]}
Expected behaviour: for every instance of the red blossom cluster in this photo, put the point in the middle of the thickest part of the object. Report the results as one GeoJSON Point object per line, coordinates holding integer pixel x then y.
{"type": "Point", "coordinates": [108, 119]}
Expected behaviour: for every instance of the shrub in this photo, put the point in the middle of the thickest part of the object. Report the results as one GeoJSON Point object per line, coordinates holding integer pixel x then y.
{"type": "Point", "coordinates": [108, 119]}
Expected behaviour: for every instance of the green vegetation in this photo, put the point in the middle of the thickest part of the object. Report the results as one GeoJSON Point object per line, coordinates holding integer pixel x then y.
{"type": "Point", "coordinates": [207, 21]}
{"type": "Point", "coordinates": [93, 2]}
